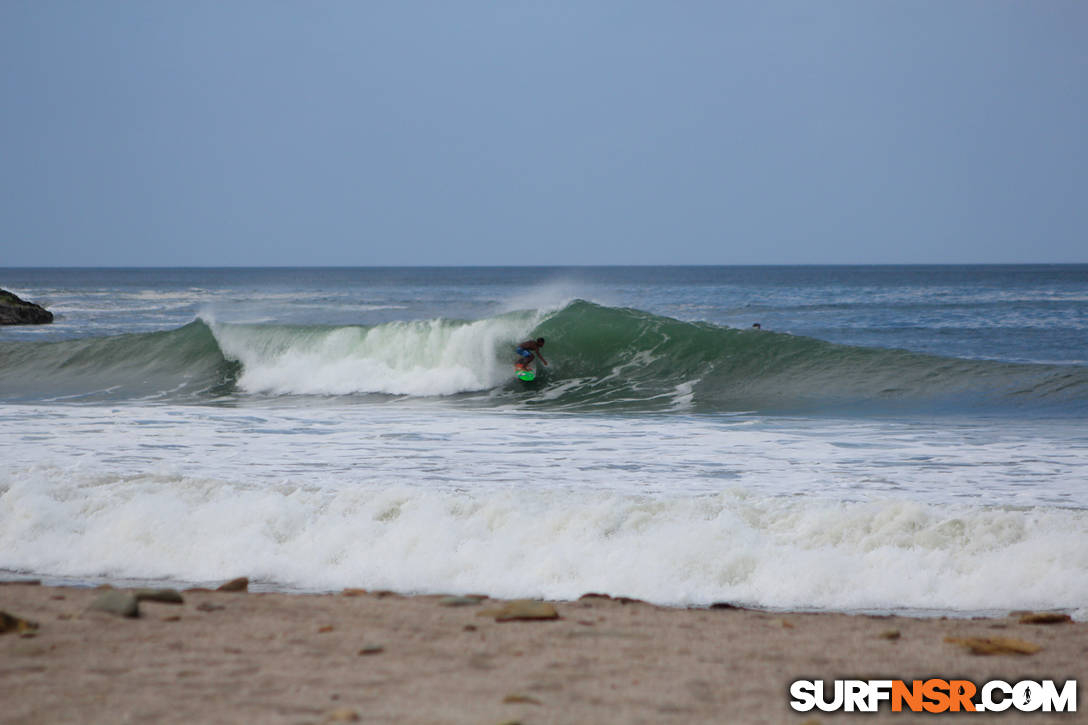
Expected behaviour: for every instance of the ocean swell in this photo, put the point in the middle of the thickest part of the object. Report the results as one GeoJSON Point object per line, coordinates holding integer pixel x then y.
{"type": "Point", "coordinates": [603, 358]}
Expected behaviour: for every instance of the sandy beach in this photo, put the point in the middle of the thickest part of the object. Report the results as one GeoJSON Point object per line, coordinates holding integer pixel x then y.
{"type": "Point", "coordinates": [244, 657]}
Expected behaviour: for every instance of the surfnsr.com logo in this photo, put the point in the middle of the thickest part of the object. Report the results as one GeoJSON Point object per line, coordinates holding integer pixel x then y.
{"type": "Point", "coordinates": [934, 696]}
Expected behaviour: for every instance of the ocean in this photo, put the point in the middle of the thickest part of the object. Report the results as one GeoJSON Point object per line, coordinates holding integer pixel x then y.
{"type": "Point", "coordinates": [905, 439]}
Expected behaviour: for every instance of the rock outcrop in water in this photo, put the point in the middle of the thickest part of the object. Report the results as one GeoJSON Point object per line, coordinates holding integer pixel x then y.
{"type": "Point", "coordinates": [16, 311]}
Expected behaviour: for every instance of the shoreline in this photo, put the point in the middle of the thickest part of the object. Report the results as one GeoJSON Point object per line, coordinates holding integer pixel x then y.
{"type": "Point", "coordinates": [9, 577]}
{"type": "Point", "coordinates": [383, 657]}
{"type": "Point", "coordinates": [12, 577]}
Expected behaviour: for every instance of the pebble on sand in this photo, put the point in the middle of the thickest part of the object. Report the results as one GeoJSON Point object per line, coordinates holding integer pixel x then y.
{"type": "Point", "coordinates": [1045, 618]}
{"type": "Point", "coordinates": [459, 601]}
{"type": "Point", "coordinates": [520, 610]}
{"type": "Point", "coordinates": [163, 596]}
{"type": "Point", "coordinates": [116, 602]}
{"type": "Point", "coordinates": [995, 645]}
{"type": "Point", "coordinates": [11, 623]}
{"type": "Point", "coordinates": [241, 584]}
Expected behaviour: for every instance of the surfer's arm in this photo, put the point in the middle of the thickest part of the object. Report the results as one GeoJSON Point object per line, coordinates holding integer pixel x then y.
{"type": "Point", "coordinates": [541, 356]}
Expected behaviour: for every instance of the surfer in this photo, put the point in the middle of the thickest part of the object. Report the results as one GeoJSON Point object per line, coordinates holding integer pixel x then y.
{"type": "Point", "coordinates": [525, 352]}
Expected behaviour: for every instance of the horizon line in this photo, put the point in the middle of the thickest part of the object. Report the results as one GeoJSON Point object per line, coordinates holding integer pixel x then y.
{"type": "Point", "coordinates": [548, 266]}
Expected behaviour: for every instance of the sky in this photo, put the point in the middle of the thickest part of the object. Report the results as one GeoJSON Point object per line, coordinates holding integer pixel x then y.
{"type": "Point", "coordinates": [509, 132]}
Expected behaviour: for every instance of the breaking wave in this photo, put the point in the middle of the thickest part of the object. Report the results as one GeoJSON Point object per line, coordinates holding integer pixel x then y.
{"type": "Point", "coordinates": [769, 551]}
{"type": "Point", "coordinates": [602, 358]}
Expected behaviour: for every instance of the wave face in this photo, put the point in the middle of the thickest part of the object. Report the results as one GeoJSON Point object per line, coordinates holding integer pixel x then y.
{"type": "Point", "coordinates": [628, 356]}
{"type": "Point", "coordinates": [603, 358]}
{"type": "Point", "coordinates": [182, 363]}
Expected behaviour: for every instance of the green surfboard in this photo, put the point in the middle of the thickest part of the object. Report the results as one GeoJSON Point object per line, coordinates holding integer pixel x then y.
{"type": "Point", "coordinates": [525, 376]}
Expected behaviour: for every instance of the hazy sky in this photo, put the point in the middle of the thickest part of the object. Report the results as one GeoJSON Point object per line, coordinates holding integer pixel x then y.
{"type": "Point", "coordinates": [459, 132]}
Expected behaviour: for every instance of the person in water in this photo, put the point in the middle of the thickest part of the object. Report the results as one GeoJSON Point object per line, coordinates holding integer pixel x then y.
{"type": "Point", "coordinates": [525, 352]}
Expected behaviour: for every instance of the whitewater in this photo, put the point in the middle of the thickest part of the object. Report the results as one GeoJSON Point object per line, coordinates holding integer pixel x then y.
{"type": "Point", "coordinates": [890, 439]}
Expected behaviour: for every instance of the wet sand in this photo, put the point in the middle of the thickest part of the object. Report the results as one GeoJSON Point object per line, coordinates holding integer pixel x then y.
{"type": "Point", "coordinates": [238, 657]}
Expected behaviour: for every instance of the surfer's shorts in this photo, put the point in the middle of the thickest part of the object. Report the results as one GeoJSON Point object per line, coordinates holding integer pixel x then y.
{"type": "Point", "coordinates": [523, 352]}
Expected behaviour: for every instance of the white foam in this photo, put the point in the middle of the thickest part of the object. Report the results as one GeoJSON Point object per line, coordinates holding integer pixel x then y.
{"type": "Point", "coordinates": [422, 358]}
{"type": "Point", "coordinates": [776, 552]}
{"type": "Point", "coordinates": [673, 509]}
